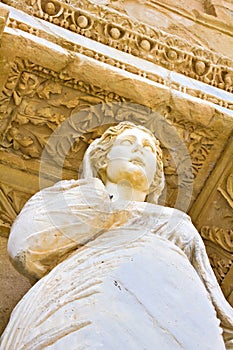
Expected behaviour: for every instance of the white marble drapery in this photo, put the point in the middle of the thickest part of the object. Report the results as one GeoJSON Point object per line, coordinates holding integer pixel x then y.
{"type": "Point", "coordinates": [128, 275]}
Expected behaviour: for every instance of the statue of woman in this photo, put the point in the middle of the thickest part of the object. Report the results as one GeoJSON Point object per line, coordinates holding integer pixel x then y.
{"type": "Point", "coordinates": [114, 269]}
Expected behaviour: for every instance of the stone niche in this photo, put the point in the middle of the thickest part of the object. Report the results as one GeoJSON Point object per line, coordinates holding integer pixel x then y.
{"type": "Point", "coordinates": [86, 65]}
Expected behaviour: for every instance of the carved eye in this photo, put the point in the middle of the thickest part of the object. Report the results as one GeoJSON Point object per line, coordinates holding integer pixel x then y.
{"type": "Point", "coordinates": [126, 142]}
{"type": "Point", "coordinates": [149, 147]}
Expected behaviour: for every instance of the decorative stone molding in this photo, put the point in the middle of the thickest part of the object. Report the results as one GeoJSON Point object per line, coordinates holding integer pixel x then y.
{"type": "Point", "coordinates": [164, 79]}
{"type": "Point", "coordinates": [118, 31]}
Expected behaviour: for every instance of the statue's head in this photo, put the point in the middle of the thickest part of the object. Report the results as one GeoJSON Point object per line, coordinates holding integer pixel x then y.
{"type": "Point", "coordinates": [128, 152]}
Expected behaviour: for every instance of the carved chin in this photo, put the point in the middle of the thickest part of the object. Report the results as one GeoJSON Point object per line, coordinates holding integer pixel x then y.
{"type": "Point", "coordinates": [135, 179]}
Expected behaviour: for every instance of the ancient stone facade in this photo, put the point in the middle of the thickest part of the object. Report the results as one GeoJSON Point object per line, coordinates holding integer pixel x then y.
{"type": "Point", "coordinates": [153, 63]}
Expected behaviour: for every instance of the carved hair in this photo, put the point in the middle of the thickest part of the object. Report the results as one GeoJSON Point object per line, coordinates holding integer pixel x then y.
{"type": "Point", "coordinates": [101, 147]}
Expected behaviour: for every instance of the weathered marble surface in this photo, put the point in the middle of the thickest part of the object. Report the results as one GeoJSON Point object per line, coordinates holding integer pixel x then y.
{"type": "Point", "coordinates": [115, 271]}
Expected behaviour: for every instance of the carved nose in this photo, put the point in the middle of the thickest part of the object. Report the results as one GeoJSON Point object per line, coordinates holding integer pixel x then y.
{"type": "Point", "coordinates": [137, 148]}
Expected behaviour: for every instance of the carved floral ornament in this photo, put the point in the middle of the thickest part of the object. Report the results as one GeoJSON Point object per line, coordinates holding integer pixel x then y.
{"type": "Point", "coordinates": [219, 236]}
{"type": "Point", "coordinates": [119, 31]}
{"type": "Point", "coordinates": [30, 84]}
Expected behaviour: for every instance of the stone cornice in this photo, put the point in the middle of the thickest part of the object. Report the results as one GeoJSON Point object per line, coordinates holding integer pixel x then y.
{"type": "Point", "coordinates": [120, 60]}
{"type": "Point", "coordinates": [118, 31]}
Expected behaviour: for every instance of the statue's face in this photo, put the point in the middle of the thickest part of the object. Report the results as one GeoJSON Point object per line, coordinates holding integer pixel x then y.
{"type": "Point", "coordinates": [132, 158]}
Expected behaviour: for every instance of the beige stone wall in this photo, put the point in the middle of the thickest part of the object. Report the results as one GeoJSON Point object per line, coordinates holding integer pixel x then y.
{"type": "Point", "coordinates": [13, 285]}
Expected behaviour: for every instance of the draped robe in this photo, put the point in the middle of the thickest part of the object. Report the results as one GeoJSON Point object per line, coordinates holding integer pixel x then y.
{"type": "Point", "coordinates": [112, 275]}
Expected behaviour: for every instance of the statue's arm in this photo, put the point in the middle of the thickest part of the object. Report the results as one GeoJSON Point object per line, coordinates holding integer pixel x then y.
{"type": "Point", "coordinates": [54, 223]}
{"type": "Point", "coordinates": [194, 248]}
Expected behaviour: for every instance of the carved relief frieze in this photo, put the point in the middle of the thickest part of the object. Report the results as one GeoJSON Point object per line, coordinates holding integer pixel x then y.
{"type": "Point", "coordinates": [35, 101]}
{"type": "Point", "coordinates": [199, 140]}
{"type": "Point", "coordinates": [117, 30]}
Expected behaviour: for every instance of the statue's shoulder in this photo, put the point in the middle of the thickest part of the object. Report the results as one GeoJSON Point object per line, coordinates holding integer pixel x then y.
{"type": "Point", "coordinates": [63, 195]}
{"type": "Point", "coordinates": [165, 211]}
{"type": "Point", "coordinates": [179, 217]}
{"type": "Point", "coordinates": [64, 185]}
{"type": "Point", "coordinates": [93, 186]}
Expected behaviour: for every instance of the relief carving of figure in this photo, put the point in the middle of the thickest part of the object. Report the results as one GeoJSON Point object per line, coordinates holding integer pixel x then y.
{"type": "Point", "coordinates": [112, 268]}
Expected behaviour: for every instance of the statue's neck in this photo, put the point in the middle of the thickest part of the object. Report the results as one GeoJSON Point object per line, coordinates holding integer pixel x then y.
{"type": "Point", "coordinates": [124, 191]}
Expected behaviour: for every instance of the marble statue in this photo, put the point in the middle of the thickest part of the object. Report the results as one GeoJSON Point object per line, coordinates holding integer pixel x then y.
{"type": "Point", "coordinates": [113, 269]}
